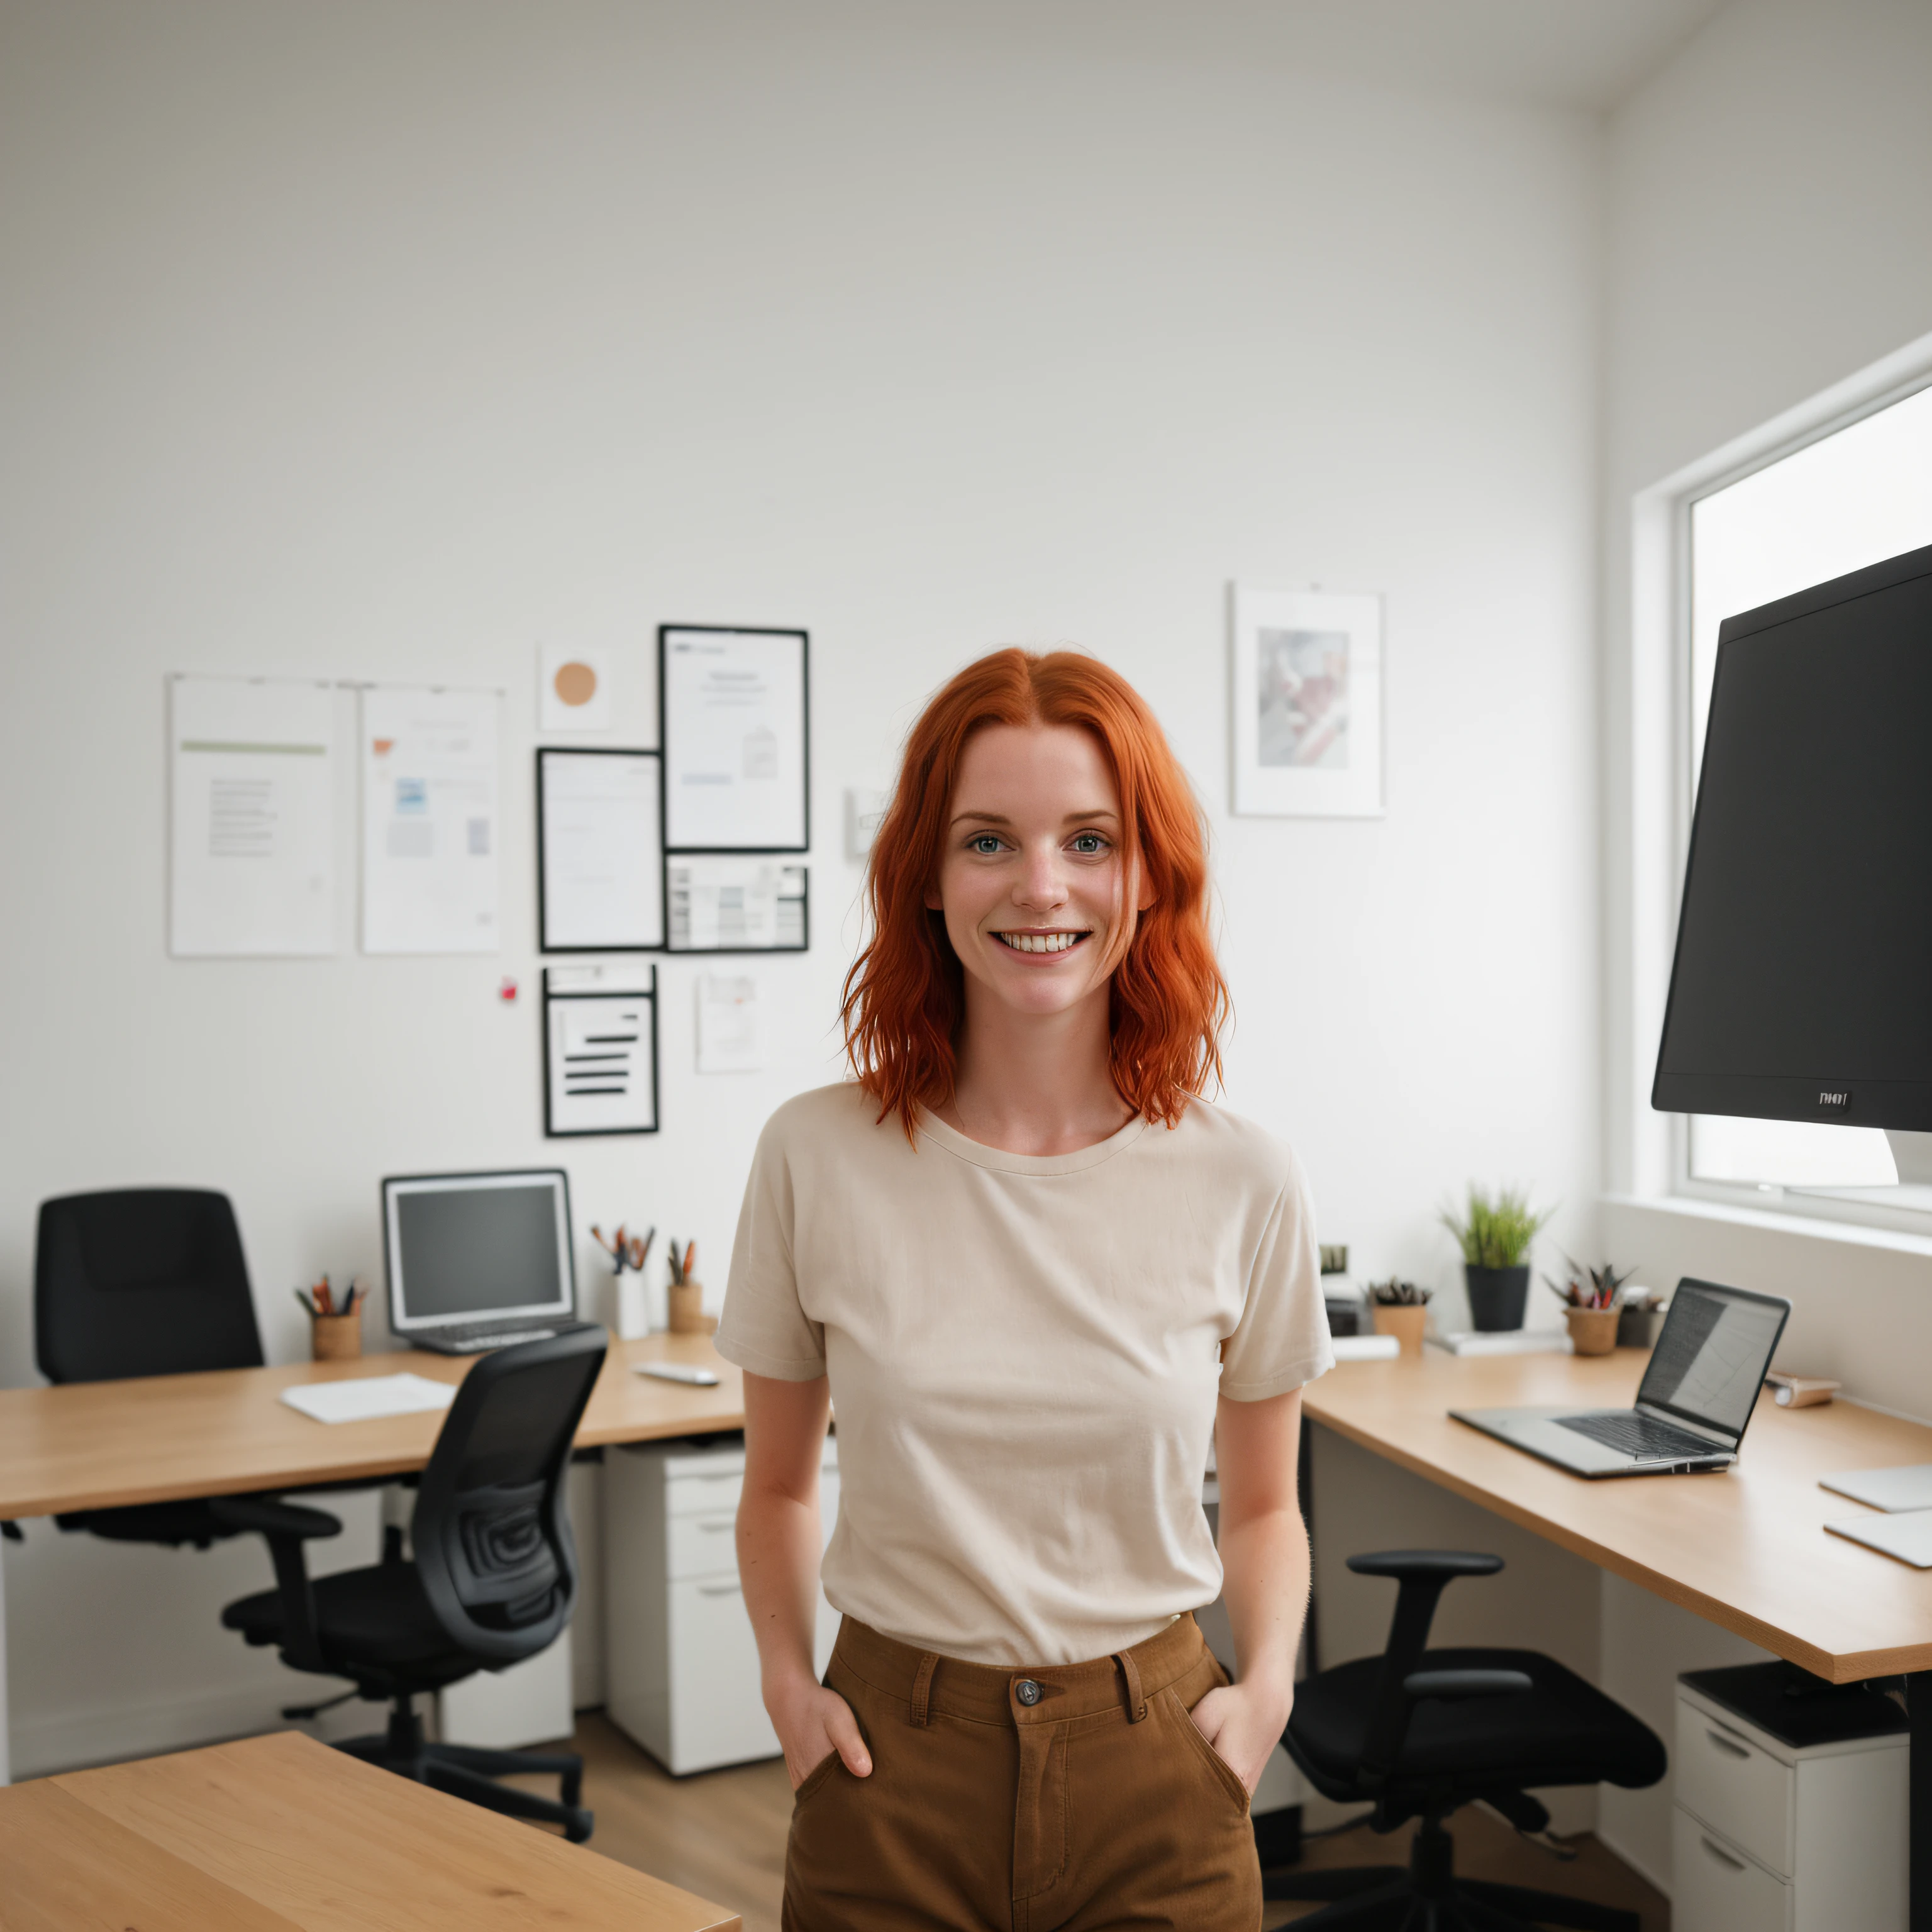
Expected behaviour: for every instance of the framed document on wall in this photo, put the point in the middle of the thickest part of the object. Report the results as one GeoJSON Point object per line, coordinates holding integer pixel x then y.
{"type": "Point", "coordinates": [718, 903]}
{"type": "Point", "coordinates": [733, 713]}
{"type": "Point", "coordinates": [600, 1050]}
{"type": "Point", "coordinates": [600, 851]}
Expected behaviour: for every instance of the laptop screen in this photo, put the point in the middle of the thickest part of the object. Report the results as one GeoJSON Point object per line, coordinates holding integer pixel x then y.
{"type": "Point", "coordinates": [1709, 1363]}
{"type": "Point", "coordinates": [472, 1247]}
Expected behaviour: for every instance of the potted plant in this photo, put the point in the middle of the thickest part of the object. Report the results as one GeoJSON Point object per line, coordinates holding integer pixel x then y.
{"type": "Point", "coordinates": [1494, 1234]}
{"type": "Point", "coordinates": [1591, 1311]}
{"type": "Point", "coordinates": [1401, 1310]}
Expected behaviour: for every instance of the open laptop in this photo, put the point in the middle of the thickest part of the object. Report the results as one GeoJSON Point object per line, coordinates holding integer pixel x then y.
{"type": "Point", "coordinates": [1692, 1406]}
{"type": "Point", "coordinates": [478, 1261]}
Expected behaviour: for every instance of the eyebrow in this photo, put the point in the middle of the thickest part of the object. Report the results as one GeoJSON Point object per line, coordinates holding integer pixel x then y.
{"type": "Point", "coordinates": [1000, 818]}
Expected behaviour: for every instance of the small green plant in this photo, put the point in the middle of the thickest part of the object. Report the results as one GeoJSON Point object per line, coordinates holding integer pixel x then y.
{"type": "Point", "coordinates": [1605, 1290]}
{"type": "Point", "coordinates": [1394, 1293]}
{"type": "Point", "coordinates": [1496, 1232]}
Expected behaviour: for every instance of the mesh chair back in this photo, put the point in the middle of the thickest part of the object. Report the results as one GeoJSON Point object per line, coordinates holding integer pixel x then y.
{"type": "Point", "coordinates": [141, 1281]}
{"type": "Point", "coordinates": [492, 1533]}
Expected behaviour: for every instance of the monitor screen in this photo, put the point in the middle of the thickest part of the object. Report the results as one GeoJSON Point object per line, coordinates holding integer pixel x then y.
{"type": "Point", "coordinates": [1802, 986]}
{"type": "Point", "coordinates": [1709, 1361]}
{"type": "Point", "coordinates": [471, 1246]}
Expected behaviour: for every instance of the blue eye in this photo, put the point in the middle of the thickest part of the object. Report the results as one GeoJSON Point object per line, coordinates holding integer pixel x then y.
{"type": "Point", "coordinates": [985, 843]}
{"type": "Point", "coordinates": [1089, 844]}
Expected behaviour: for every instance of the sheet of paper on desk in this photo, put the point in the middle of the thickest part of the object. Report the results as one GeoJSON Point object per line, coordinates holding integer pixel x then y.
{"type": "Point", "coordinates": [368, 1396]}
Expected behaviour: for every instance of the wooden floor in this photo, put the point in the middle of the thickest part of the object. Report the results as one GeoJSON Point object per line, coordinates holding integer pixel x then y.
{"type": "Point", "coordinates": [722, 1835]}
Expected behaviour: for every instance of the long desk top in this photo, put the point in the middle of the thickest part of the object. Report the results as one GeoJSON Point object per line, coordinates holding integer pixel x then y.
{"type": "Point", "coordinates": [161, 1439]}
{"type": "Point", "coordinates": [1745, 1548]}
{"type": "Point", "coordinates": [274, 1834]}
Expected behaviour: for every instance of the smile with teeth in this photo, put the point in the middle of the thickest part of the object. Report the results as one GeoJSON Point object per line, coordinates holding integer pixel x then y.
{"type": "Point", "coordinates": [1040, 942]}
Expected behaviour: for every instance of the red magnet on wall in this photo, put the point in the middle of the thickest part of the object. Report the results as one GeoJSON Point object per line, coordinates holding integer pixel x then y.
{"type": "Point", "coordinates": [506, 991]}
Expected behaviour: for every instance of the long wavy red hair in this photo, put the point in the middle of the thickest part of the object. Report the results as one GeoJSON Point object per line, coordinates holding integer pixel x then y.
{"type": "Point", "coordinates": [904, 998]}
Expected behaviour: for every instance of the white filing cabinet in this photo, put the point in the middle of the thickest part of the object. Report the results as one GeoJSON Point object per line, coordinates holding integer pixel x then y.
{"type": "Point", "coordinates": [1773, 1836]}
{"type": "Point", "coordinates": [681, 1663]}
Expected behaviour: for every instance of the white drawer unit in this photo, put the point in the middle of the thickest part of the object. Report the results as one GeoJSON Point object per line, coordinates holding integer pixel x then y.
{"type": "Point", "coordinates": [681, 1663]}
{"type": "Point", "coordinates": [1800, 1827]}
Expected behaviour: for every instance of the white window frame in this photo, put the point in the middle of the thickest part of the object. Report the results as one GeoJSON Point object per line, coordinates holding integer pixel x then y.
{"type": "Point", "coordinates": [1660, 691]}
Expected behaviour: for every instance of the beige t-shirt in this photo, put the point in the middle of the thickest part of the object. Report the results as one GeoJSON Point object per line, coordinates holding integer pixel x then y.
{"type": "Point", "coordinates": [1024, 1355]}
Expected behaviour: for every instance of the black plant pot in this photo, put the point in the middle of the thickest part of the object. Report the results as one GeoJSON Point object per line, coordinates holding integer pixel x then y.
{"type": "Point", "coordinates": [1497, 1296]}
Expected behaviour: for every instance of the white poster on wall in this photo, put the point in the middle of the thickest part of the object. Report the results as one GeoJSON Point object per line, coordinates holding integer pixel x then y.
{"type": "Point", "coordinates": [733, 720]}
{"type": "Point", "coordinates": [252, 818]}
{"type": "Point", "coordinates": [430, 820]}
{"type": "Point", "coordinates": [600, 851]}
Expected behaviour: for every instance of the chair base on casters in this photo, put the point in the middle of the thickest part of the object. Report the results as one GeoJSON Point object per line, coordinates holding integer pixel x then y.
{"type": "Point", "coordinates": [1428, 1897]}
{"type": "Point", "coordinates": [469, 1772]}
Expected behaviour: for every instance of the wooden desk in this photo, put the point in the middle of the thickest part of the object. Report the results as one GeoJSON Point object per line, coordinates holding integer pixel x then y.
{"type": "Point", "coordinates": [278, 1833]}
{"type": "Point", "coordinates": [161, 1439]}
{"type": "Point", "coordinates": [1744, 1549]}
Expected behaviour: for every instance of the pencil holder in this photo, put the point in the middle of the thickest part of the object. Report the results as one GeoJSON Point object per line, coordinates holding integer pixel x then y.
{"type": "Point", "coordinates": [336, 1338]}
{"type": "Point", "coordinates": [687, 1309]}
{"type": "Point", "coordinates": [1593, 1331]}
{"type": "Point", "coordinates": [1406, 1322]}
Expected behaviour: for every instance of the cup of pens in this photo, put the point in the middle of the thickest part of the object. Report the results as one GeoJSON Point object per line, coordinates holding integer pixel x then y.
{"type": "Point", "coordinates": [335, 1320]}
{"type": "Point", "coordinates": [686, 1294]}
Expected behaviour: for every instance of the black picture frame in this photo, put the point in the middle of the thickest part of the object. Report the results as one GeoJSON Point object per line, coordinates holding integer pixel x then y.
{"type": "Point", "coordinates": [741, 951]}
{"type": "Point", "coordinates": [543, 943]}
{"type": "Point", "coordinates": [552, 996]}
{"type": "Point", "coordinates": [665, 632]}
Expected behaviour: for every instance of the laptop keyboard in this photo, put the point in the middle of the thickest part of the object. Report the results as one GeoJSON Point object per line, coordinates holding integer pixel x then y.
{"type": "Point", "coordinates": [1637, 1435]}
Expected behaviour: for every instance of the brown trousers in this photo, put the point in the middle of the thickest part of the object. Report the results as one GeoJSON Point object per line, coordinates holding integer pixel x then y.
{"type": "Point", "coordinates": [1077, 1797]}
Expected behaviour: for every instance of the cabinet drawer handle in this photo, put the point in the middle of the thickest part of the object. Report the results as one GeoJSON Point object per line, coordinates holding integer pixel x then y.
{"type": "Point", "coordinates": [1717, 1852]}
{"type": "Point", "coordinates": [1728, 1744]}
{"type": "Point", "coordinates": [718, 1589]}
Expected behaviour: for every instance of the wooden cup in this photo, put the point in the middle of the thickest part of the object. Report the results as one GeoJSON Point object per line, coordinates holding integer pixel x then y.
{"type": "Point", "coordinates": [1593, 1331]}
{"type": "Point", "coordinates": [687, 1309]}
{"type": "Point", "coordinates": [1405, 1321]}
{"type": "Point", "coordinates": [336, 1338]}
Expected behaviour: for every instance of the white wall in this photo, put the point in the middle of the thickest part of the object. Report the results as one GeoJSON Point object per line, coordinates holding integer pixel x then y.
{"type": "Point", "coordinates": [1770, 235]}
{"type": "Point", "coordinates": [385, 340]}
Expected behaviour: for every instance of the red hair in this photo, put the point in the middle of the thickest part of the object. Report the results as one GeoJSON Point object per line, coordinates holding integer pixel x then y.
{"type": "Point", "coordinates": [904, 996]}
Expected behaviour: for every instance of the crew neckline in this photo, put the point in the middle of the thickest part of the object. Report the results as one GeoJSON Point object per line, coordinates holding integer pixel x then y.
{"type": "Point", "coordinates": [1000, 1162]}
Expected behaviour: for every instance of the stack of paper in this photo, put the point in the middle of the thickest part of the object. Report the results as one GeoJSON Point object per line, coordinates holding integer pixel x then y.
{"type": "Point", "coordinates": [365, 1397]}
{"type": "Point", "coordinates": [1503, 1341]}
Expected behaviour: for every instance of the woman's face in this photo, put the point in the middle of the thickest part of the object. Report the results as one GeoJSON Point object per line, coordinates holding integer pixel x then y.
{"type": "Point", "coordinates": [1031, 878]}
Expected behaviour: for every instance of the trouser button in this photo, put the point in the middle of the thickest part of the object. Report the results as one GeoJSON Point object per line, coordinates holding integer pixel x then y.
{"type": "Point", "coordinates": [1027, 1691]}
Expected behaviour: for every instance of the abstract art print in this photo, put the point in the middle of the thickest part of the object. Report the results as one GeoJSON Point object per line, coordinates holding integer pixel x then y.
{"type": "Point", "coordinates": [1306, 704]}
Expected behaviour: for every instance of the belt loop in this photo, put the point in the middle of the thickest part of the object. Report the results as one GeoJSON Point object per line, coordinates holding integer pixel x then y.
{"type": "Point", "coordinates": [1136, 1703]}
{"type": "Point", "coordinates": [922, 1686]}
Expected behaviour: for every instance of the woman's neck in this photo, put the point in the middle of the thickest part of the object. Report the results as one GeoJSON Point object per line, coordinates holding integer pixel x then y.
{"type": "Point", "coordinates": [1035, 1084]}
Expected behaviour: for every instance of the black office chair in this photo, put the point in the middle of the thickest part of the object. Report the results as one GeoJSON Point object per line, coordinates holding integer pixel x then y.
{"type": "Point", "coordinates": [1420, 1733]}
{"type": "Point", "coordinates": [494, 1578]}
{"type": "Point", "coordinates": [143, 1281]}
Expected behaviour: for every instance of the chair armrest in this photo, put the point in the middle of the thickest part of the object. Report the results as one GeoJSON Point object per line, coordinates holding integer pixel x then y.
{"type": "Point", "coordinates": [1439, 1565]}
{"type": "Point", "coordinates": [273, 1518]}
{"type": "Point", "coordinates": [1453, 1686]}
{"type": "Point", "coordinates": [286, 1526]}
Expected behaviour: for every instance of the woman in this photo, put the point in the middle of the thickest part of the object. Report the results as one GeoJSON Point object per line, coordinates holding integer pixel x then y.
{"type": "Point", "coordinates": [1035, 1270]}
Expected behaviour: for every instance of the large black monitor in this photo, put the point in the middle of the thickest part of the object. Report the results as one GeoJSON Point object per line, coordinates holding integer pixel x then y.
{"type": "Point", "coordinates": [1802, 985]}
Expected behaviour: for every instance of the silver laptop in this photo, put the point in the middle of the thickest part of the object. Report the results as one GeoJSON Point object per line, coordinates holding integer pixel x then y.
{"type": "Point", "coordinates": [1692, 1407]}
{"type": "Point", "coordinates": [478, 1261]}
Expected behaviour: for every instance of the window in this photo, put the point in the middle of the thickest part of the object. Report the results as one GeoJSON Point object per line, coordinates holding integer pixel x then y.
{"type": "Point", "coordinates": [1854, 497]}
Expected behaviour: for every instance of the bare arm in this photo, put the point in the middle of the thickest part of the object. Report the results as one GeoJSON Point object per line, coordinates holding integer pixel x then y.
{"type": "Point", "coordinates": [1265, 1560]}
{"type": "Point", "coordinates": [779, 1539]}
